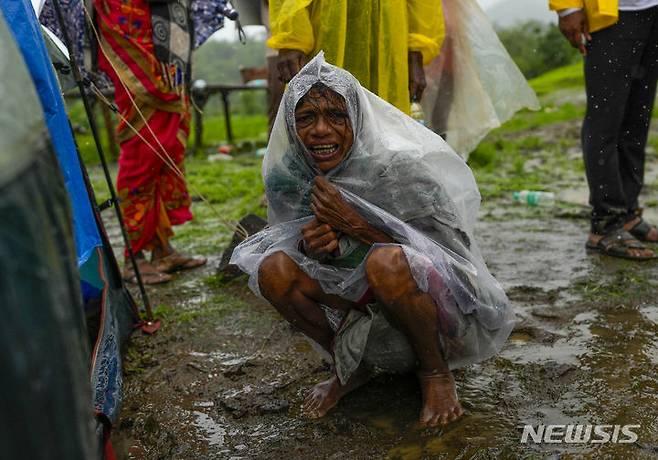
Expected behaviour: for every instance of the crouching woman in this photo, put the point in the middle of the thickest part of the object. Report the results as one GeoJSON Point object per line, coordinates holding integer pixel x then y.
{"type": "Point", "coordinates": [370, 251]}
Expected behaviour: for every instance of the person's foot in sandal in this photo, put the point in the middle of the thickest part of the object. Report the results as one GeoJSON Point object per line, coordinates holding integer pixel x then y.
{"type": "Point", "coordinates": [619, 243]}
{"type": "Point", "coordinates": [176, 261]}
{"type": "Point", "coordinates": [641, 229]}
{"type": "Point", "coordinates": [149, 273]}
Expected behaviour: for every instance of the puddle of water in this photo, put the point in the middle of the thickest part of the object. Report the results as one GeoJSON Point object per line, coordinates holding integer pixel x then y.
{"type": "Point", "coordinates": [651, 313]}
{"type": "Point", "coordinates": [213, 432]}
{"type": "Point", "coordinates": [204, 404]}
{"type": "Point", "coordinates": [520, 337]}
{"type": "Point", "coordinates": [234, 361]}
{"type": "Point", "coordinates": [198, 354]}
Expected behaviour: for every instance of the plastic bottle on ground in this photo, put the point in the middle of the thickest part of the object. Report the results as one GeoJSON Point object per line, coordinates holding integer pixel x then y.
{"type": "Point", "coordinates": [534, 198]}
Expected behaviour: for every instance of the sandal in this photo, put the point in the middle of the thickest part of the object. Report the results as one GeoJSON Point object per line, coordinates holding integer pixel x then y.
{"type": "Point", "coordinates": [640, 228]}
{"type": "Point", "coordinates": [176, 262]}
{"type": "Point", "coordinates": [150, 275]}
{"type": "Point", "coordinates": [618, 243]}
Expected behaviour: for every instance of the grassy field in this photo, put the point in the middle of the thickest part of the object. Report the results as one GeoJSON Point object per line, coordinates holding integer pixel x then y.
{"type": "Point", "coordinates": [565, 77]}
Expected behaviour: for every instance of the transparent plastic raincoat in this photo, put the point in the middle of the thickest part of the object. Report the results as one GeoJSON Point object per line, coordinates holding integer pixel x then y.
{"type": "Point", "coordinates": [407, 182]}
{"type": "Point", "coordinates": [370, 39]}
{"type": "Point", "coordinates": [473, 86]}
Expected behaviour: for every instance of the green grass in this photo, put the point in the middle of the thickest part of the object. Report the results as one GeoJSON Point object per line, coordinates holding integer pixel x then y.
{"type": "Point", "coordinates": [565, 77]}
{"type": "Point", "coordinates": [244, 127]}
{"type": "Point", "coordinates": [233, 190]}
{"type": "Point", "coordinates": [547, 115]}
{"type": "Point", "coordinates": [217, 306]}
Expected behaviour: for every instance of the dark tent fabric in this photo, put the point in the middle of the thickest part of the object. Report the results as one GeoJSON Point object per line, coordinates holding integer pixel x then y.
{"type": "Point", "coordinates": [110, 310]}
{"type": "Point", "coordinates": [44, 365]}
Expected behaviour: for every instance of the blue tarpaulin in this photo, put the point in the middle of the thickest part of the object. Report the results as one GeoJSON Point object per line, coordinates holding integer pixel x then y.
{"type": "Point", "coordinates": [25, 28]}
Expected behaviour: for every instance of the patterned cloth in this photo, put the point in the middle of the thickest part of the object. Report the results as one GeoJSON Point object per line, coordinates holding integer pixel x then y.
{"type": "Point", "coordinates": [153, 197]}
{"type": "Point", "coordinates": [74, 15]}
{"type": "Point", "coordinates": [172, 38]}
{"type": "Point", "coordinates": [206, 18]}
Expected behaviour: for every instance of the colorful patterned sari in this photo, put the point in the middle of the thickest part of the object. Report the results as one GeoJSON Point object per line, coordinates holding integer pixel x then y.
{"type": "Point", "coordinates": [153, 197]}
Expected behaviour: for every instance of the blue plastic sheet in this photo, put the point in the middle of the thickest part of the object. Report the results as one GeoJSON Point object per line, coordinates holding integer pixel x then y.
{"type": "Point", "coordinates": [26, 30]}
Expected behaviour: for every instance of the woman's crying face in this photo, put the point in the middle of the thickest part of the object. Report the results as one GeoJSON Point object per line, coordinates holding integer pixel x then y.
{"type": "Point", "coordinates": [323, 125]}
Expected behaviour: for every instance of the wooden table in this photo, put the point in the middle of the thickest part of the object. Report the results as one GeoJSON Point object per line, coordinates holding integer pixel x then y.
{"type": "Point", "coordinates": [201, 94]}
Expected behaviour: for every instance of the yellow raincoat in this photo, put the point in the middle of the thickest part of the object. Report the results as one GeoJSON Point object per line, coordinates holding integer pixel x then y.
{"type": "Point", "coordinates": [369, 38]}
{"type": "Point", "coordinates": [600, 13]}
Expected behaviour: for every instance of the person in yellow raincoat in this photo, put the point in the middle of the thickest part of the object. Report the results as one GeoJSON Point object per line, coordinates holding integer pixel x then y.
{"type": "Point", "coordinates": [598, 15]}
{"type": "Point", "coordinates": [619, 39]}
{"type": "Point", "coordinates": [383, 43]}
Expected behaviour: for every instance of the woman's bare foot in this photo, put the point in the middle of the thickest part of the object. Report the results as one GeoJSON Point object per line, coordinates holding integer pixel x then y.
{"type": "Point", "coordinates": [440, 403]}
{"type": "Point", "coordinates": [325, 395]}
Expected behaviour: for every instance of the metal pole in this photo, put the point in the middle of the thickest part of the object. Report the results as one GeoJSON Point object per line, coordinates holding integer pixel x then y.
{"type": "Point", "coordinates": [108, 178]}
{"type": "Point", "coordinates": [198, 129]}
{"type": "Point", "coordinates": [109, 130]}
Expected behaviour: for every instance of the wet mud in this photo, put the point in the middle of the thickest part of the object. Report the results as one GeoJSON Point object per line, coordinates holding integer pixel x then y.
{"type": "Point", "coordinates": [225, 376]}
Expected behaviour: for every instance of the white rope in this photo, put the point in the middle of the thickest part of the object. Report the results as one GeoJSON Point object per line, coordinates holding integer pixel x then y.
{"type": "Point", "coordinates": [164, 156]}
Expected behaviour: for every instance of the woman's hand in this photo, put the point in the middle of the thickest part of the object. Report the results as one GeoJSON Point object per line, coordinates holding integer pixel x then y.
{"type": "Point", "coordinates": [330, 208]}
{"type": "Point", "coordinates": [417, 83]}
{"type": "Point", "coordinates": [289, 63]}
{"type": "Point", "coordinates": [320, 239]}
{"type": "Point", "coordinates": [575, 28]}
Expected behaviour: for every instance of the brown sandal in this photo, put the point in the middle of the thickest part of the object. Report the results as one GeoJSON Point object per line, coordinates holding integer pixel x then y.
{"type": "Point", "coordinates": [618, 243]}
{"type": "Point", "coordinates": [150, 274]}
{"type": "Point", "coordinates": [176, 262]}
{"type": "Point", "coordinates": [640, 228]}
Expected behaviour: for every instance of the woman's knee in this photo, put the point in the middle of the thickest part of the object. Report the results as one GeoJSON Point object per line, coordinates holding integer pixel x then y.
{"type": "Point", "coordinates": [277, 276]}
{"type": "Point", "coordinates": [386, 268]}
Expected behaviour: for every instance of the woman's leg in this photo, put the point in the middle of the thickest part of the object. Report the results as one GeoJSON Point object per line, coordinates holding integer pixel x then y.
{"type": "Point", "coordinates": [298, 297]}
{"type": "Point", "coordinates": [415, 313]}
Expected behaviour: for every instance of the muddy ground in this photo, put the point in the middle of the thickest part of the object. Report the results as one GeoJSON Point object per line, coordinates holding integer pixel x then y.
{"type": "Point", "coordinates": [225, 376]}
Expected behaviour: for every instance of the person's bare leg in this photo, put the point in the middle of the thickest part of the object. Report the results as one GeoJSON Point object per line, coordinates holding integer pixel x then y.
{"type": "Point", "coordinates": [161, 249]}
{"type": "Point", "coordinates": [415, 314]}
{"type": "Point", "coordinates": [297, 297]}
{"type": "Point", "coordinates": [166, 259]}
